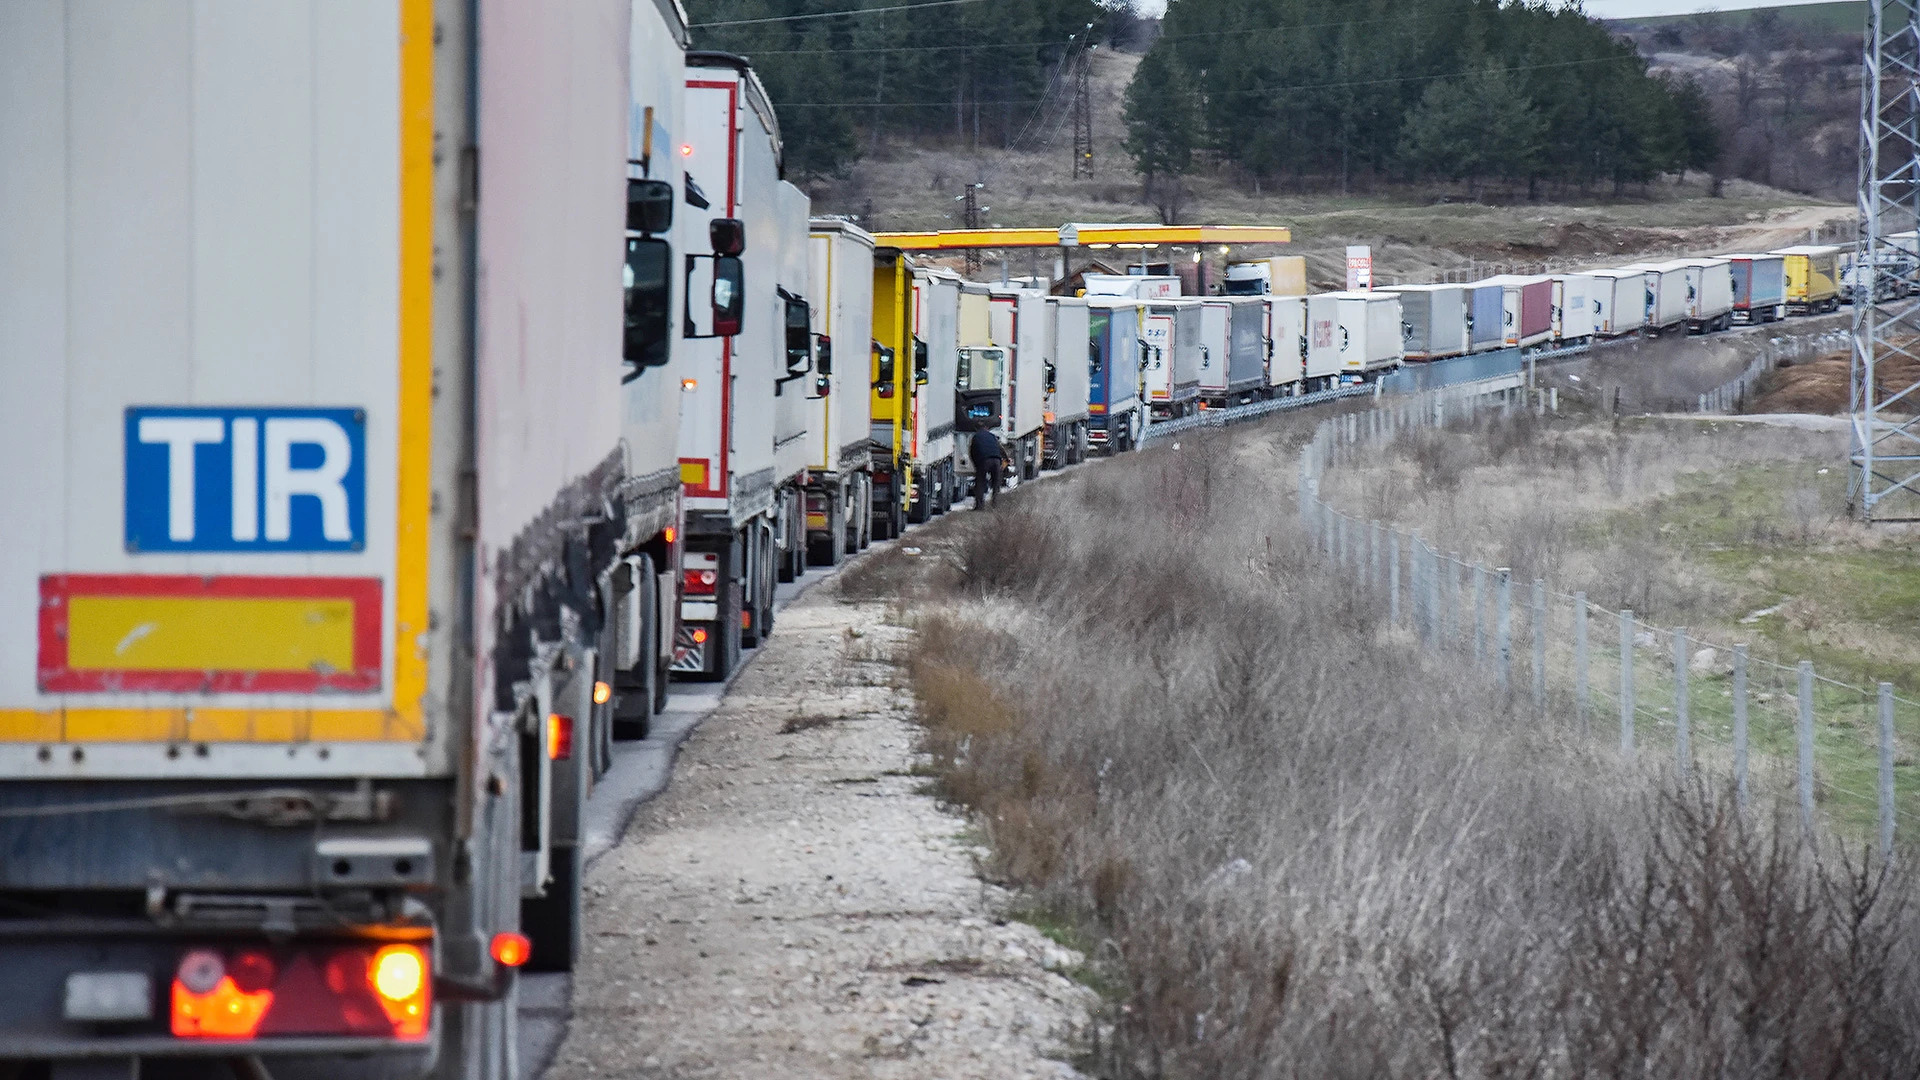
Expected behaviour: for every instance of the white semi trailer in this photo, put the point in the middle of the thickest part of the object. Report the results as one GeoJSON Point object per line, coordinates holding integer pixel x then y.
{"type": "Point", "coordinates": [839, 425]}
{"type": "Point", "coordinates": [345, 482]}
{"type": "Point", "coordinates": [739, 503]}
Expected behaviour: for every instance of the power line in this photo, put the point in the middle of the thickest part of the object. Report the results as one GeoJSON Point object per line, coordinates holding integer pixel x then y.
{"type": "Point", "coordinates": [830, 14]}
{"type": "Point", "coordinates": [1444, 13]}
{"type": "Point", "coordinates": [1250, 90]}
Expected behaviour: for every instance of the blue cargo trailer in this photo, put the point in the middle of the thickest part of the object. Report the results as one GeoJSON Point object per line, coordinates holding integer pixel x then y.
{"type": "Point", "coordinates": [1759, 288]}
{"type": "Point", "coordinates": [1486, 315]}
{"type": "Point", "coordinates": [1115, 420]}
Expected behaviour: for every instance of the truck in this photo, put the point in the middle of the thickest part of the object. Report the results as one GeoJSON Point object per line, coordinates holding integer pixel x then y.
{"type": "Point", "coordinates": [347, 509]}
{"type": "Point", "coordinates": [1759, 288]}
{"type": "Point", "coordinates": [1619, 302]}
{"type": "Point", "coordinates": [1171, 329]}
{"type": "Point", "coordinates": [1370, 338]}
{"type": "Point", "coordinates": [1116, 419]}
{"type": "Point", "coordinates": [980, 380]}
{"type": "Point", "coordinates": [893, 389]}
{"type": "Point", "coordinates": [1287, 341]}
{"type": "Point", "coordinates": [1068, 382]}
{"type": "Point", "coordinates": [1526, 309]}
{"type": "Point", "coordinates": [732, 386]}
{"type": "Point", "coordinates": [1573, 307]}
{"type": "Point", "coordinates": [1813, 273]}
{"type": "Point", "coordinates": [1281, 275]}
{"type": "Point", "coordinates": [797, 389]}
{"type": "Point", "coordinates": [936, 357]}
{"type": "Point", "coordinates": [1233, 351]}
{"type": "Point", "coordinates": [1887, 276]}
{"type": "Point", "coordinates": [839, 485]}
{"type": "Point", "coordinates": [1486, 316]}
{"type": "Point", "coordinates": [1433, 320]}
{"type": "Point", "coordinates": [1133, 286]}
{"type": "Point", "coordinates": [1709, 293]}
{"type": "Point", "coordinates": [1017, 322]}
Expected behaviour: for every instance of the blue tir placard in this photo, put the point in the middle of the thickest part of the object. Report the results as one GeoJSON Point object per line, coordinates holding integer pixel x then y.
{"type": "Point", "coordinates": [249, 479]}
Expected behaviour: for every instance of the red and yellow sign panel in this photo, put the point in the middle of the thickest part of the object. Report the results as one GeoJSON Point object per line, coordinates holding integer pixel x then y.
{"type": "Point", "coordinates": [188, 634]}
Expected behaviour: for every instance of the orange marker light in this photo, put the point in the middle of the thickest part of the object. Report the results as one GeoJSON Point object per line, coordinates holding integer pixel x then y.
{"type": "Point", "coordinates": [398, 976]}
{"type": "Point", "coordinates": [699, 636]}
{"type": "Point", "coordinates": [208, 1004]}
{"type": "Point", "coordinates": [602, 693]}
{"type": "Point", "coordinates": [559, 737]}
{"type": "Point", "coordinates": [671, 533]}
{"type": "Point", "coordinates": [510, 949]}
{"type": "Point", "coordinates": [688, 385]}
{"type": "Point", "coordinates": [686, 149]}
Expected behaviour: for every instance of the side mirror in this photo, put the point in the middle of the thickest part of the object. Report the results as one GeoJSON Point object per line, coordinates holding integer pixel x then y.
{"type": "Point", "coordinates": [1206, 357]}
{"type": "Point", "coordinates": [649, 319]}
{"type": "Point", "coordinates": [722, 279]}
{"type": "Point", "coordinates": [963, 369]}
{"type": "Point", "coordinates": [883, 370]}
{"type": "Point", "coordinates": [799, 338]}
{"type": "Point", "coordinates": [919, 362]}
{"type": "Point", "coordinates": [1093, 358]}
{"type": "Point", "coordinates": [649, 206]}
{"type": "Point", "coordinates": [1146, 355]}
{"type": "Point", "coordinates": [823, 356]}
{"type": "Point", "coordinates": [1053, 380]}
{"type": "Point", "coordinates": [727, 235]}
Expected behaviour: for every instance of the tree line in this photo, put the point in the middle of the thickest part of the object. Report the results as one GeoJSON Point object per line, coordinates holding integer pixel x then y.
{"type": "Point", "coordinates": [840, 84]}
{"type": "Point", "coordinates": [1457, 90]}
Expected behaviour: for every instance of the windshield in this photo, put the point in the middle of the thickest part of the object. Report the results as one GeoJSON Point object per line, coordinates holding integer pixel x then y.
{"type": "Point", "coordinates": [981, 369]}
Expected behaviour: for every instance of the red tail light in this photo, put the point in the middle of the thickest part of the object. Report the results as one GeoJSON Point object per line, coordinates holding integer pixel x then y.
{"type": "Point", "coordinates": [358, 989]}
{"type": "Point", "coordinates": [698, 582]}
{"type": "Point", "coordinates": [559, 737]}
{"type": "Point", "coordinates": [510, 949]}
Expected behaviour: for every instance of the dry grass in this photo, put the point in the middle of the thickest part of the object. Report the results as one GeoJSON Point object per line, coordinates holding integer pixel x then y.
{"type": "Point", "coordinates": [1307, 852]}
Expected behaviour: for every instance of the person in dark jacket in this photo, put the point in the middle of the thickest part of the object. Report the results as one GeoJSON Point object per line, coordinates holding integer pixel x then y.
{"type": "Point", "coordinates": [988, 459]}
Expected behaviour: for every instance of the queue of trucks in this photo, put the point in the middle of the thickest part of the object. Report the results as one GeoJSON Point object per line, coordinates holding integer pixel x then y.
{"type": "Point", "coordinates": [375, 495]}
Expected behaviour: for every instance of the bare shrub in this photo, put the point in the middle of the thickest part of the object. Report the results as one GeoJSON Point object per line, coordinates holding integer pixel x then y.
{"type": "Point", "coordinates": [1309, 850]}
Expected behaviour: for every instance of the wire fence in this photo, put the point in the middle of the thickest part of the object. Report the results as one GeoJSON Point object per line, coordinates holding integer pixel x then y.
{"type": "Point", "coordinates": [1732, 396]}
{"type": "Point", "coordinates": [1775, 728]}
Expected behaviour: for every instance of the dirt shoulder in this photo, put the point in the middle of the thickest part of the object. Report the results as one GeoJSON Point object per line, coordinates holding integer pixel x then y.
{"type": "Point", "coordinates": [795, 905]}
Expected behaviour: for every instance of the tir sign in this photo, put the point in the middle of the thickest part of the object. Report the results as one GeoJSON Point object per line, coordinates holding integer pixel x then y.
{"type": "Point", "coordinates": [245, 480]}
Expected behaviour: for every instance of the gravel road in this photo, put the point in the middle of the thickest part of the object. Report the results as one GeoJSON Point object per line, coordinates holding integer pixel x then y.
{"type": "Point", "coordinates": [795, 905]}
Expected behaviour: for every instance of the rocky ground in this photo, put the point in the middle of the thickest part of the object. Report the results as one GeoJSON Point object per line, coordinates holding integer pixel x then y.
{"type": "Point", "coordinates": [797, 904]}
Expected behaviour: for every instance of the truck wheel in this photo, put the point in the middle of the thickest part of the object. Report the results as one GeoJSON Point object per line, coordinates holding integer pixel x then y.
{"type": "Point", "coordinates": [863, 524]}
{"type": "Point", "coordinates": [553, 921]}
{"type": "Point", "coordinates": [850, 520]}
{"type": "Point", "coordinates": [921, 508]}
{"type": "Point", "coordinates": [1080, 442]}
{"type": "Point", "coordinates": [827, 548]}
{"type": "Point", "coordinates": [633, 703]}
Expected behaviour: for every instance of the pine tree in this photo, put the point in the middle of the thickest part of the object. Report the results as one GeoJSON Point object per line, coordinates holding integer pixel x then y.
{"type": "Point", "coordinates": [1163, 120]}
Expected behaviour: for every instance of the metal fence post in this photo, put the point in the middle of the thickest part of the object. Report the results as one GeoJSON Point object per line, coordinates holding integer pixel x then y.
{"type": "Point", "coordinates": [1393, 576]}
{"type": "Point", "coordinates": [1540, 645]}
{"type": "Point", "coordinates": [1626, 681]}
{"type": "Point", "coordinates": [1504, 633]}
{"type": "Point", "coordinates": [1682, 753]}
{"type": "Point", "coordinates": [1581, 692]}
{"type": "Point", "coordinates": [1806, 743]}
{"type": "Point", "coordinates": [1438, 592]}
{"type": "Point", "coordinates": [1479, 614]}
{"type": "Point", "coordinates": [1740, 725]}
{"type": "Point", "coordinates": [1453, 595]}
{"type": "Point", "coordinates": [1886, 772]}
{"type": "Point", "coordinates": [1373, 555]}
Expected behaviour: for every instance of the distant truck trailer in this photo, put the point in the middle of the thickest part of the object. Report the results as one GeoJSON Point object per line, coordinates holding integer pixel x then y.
{"type": "Point", "coordinates": [1759, 288]}
{"type": "Point", "coordinates": [1813, 278]}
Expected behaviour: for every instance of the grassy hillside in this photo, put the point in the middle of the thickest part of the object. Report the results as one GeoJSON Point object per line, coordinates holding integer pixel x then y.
{"type": "Point", "coordinates": [1842, 16]}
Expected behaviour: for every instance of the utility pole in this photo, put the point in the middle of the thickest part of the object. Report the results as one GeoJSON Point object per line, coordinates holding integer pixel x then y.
{"type": "Point", "coordinates": [970, 218]}
{"type": "Point", "coordinates": [1884, 457]}
{"type": "Point", "coordinates": [1083, 115]}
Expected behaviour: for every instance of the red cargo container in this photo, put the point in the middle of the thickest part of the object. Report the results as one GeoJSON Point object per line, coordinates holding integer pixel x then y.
{"type": "Point", "coordinates": [1527, 308]}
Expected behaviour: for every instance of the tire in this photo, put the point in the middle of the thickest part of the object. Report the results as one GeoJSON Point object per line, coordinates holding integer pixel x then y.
{"type": "Point", "coordinates": [921, 508]}
{"type": "Point", "coordinates": [635, 703]}
{"type": "Point", "coordinates": [753, 563]}
{"type": "Point", "coordinates": [830, 548]}
{"type": "Point", "coordinates": [784, 560]}
{"type": "Point", "coordinates": [864, 524]}
{"type": "Point", "coordinates": [553, 921]}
